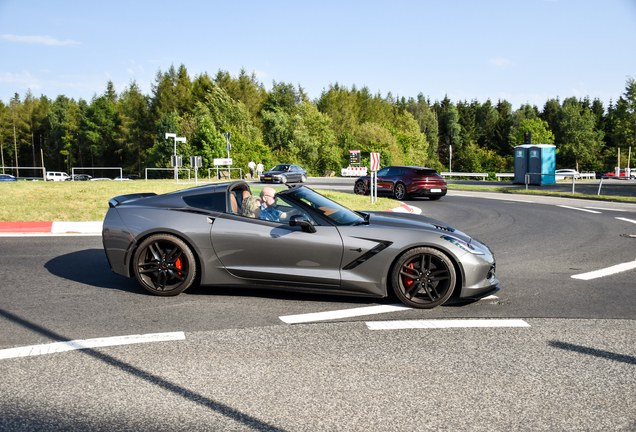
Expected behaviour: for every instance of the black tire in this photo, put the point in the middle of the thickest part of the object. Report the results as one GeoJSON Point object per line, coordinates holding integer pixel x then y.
{"type": "Point", "coordinates": [434, 198]}
{"type": "Point", "coordinates": [303, 178]}
{"type": "Point", "coordinates": [164, 265]}
{"type": "Point", "coordinates": [399, 191]}
{"type": "Point", "coordinates": [423, 278]}
{"type": "Point", "coordinates": [360, 188]}
{"type": "Point", "coordinates": [283, 179]}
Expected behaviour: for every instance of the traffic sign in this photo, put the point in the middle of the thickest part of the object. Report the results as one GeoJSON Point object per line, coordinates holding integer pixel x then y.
{"type": "Point", "coordinates": [375, 161]}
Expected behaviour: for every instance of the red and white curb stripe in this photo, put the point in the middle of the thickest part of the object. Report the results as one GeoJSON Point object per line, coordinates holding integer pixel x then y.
{"type": "Point", "coordinates": [403, 208]}
{"type": "Point", "coordinates": [48, 228]}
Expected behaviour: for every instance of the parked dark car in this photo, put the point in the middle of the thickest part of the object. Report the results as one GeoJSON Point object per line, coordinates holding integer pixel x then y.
{"type": "Point", "coordinates": [7, 177]}
{"type": "Point", "coordinates": [405, 181]}
{"type": "Point", "coordinates": [81, 177]}
{"type": "Point", "coordinates": [203, 235]}
{"type": "Point", "coordinates": [285, 173]}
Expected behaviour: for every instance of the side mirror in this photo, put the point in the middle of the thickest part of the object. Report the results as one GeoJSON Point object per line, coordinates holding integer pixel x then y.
{"type": "Point", "coordinates": [303, 222]}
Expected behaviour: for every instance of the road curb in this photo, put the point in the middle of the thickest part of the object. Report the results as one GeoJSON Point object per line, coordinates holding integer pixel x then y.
{"type": "Point", "coordinates": [12, 228]}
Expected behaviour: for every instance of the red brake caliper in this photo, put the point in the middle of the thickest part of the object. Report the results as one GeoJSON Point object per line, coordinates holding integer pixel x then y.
{"type": "Point", "coordinates": [408, 281]}
{"type": "Point", "coordinates": [178, 263]}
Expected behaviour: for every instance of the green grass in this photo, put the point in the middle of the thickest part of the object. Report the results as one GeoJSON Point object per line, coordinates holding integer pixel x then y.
{"type": "Point", "coordinates": [88, 201]}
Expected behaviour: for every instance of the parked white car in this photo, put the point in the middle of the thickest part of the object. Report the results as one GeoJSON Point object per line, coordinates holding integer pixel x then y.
{"type": "Point", "coordinates": [566, 174]}
{"type": "Point", "coordinates": [57, 176]}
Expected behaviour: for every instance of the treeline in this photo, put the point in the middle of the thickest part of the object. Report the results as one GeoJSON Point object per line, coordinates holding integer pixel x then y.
{"type": "Point", "coordinates": [128, 129]}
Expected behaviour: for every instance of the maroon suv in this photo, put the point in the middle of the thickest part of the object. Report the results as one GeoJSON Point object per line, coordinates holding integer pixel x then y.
{"type": "Point", "coordinates": [404, 181]}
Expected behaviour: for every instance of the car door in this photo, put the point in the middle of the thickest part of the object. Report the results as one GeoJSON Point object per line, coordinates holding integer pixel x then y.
{"type": "Point", "coordinates": [277, 253]}
{"type": "Point", "coordinates": [384, 182]}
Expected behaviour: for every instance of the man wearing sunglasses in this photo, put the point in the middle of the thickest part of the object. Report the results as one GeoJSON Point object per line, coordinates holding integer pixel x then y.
{"type": "Point", "coordinates": [268, 206]}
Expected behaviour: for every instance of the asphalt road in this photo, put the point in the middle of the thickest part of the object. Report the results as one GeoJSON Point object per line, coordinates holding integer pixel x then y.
{"type": "Point", "coordinates": [240, 367]}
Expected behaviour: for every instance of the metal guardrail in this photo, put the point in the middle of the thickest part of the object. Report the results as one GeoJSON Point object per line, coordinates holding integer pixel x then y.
{"type": "Point", "coordinates": [573, 175]}
{"type": "Point", "coordinates": [500, 175]}
{"type": "Point", "coordinates": [484, 176]}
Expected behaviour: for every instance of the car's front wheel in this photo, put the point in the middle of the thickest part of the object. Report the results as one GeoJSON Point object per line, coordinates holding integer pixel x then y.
{"type": "Point", "coordinates": [164, 265]}
{"type": "Point", "coordinates": [360, 188]}
{"type": "Point", "coordinates": [399, 191]}
{"type": "Point", "coordinates": [283, 179]}
{"type": "Point", "coordinates": [303, 178]}
{"type": "Point", "coordinates": [423, 278]}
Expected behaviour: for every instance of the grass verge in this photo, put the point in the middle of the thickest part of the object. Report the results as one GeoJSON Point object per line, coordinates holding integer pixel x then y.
{"type": "Point", "coordinates": [88, 201]}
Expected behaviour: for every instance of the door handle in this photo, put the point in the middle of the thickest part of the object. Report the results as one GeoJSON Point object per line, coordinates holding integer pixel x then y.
{"type": "Point", "coordinates": [210, 220]}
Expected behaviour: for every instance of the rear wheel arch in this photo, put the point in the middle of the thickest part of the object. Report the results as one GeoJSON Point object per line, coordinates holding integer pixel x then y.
{"type": "Point", "coordinates": [188, 242]}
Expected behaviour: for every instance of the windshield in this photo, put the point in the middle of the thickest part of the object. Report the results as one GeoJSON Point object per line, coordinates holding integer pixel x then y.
{"type": "Point", "coordinates": [333, 211]}
{"type": "Point", "coordinates": [280, 167]}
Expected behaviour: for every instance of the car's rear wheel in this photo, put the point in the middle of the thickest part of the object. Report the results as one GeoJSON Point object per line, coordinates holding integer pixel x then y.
{"type": "Point", "coordinates": [399, 191]}
{"type": "Point", "coordinates": [423, 278]}
{"type": "Point", "coordinates": [360, 188]}
{"type": "Point", "coordinates": [164, 265]}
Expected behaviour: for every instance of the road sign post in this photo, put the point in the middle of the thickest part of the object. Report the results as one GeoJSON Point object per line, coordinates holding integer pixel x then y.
{"type": "Point", "coordinates": [375, 166]}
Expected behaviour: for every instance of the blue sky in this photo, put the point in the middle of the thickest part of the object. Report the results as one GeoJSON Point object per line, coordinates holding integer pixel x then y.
{"type": "Point", "coordinates": [524, 51]}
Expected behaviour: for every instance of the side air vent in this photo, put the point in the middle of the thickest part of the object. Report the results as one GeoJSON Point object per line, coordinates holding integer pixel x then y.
{"type": "Point", "coordinates": [445, 228]}
{"type": "Point", "coordinates": [376, 250]}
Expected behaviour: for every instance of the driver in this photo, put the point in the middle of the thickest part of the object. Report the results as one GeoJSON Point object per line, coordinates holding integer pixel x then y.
{"type": "Point", "coordinates": [268, 206]}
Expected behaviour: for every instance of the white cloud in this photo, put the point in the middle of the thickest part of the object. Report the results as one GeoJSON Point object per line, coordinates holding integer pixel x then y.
{"type": "Point", "coordinates": [501, 62]}
{"type": "Point", "coordinates": [25, 79]}
{"type": "Point", "coordinates": [46, 40]}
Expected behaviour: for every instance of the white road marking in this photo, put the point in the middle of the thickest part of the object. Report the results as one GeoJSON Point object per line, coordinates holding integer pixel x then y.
{"type": "Point", "coordinates": [580, 209]}
{"type": "Point", "coordinates": [607, 271]}
{"type": "Point", "coordinates": [494, 198]}
{"type": "Point", "coordinates": [490, 297]}
{"type": "Point", "coordinates": [439, 324]}
{"type": "Point", "coordinates": [627, 220]}
{"type": "Point", "coordinates": [346, 313]}
{"type": "Point", "coordinates": [607, 209]}
{"type": "Point", "coordinates": [77, 227]}
{"type": "Point", "coordinates": [57, 347]}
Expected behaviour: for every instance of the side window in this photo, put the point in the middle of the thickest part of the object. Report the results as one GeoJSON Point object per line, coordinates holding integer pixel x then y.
{"type": "Point", "coordinates": [290, 209]}
{"type": "Point", "coordinates": [215, 201]}
{"type": "Point", "coordinates": [383, 172]}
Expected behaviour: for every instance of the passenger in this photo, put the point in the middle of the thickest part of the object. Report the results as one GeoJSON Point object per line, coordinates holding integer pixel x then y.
{"type": "Point", "coordinates": [251, 206]}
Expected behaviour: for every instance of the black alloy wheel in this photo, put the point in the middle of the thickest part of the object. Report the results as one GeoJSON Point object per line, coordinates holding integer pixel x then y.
{"type": "Point", "coordinates": [423, 278]}
{"type": "Point", "coordinates": [360, 187]}
{"type": "Point", "coordinates": [399, 191]}
{"type": "Point", "coordinates": [164, 265]}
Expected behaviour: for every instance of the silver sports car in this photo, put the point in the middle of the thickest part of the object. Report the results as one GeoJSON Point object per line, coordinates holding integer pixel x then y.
{"type": "Point", "coordinates": [202, 235]}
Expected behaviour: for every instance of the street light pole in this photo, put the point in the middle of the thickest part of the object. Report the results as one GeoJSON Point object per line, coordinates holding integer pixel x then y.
{"type": "Point", "coordinates": [179, 139]}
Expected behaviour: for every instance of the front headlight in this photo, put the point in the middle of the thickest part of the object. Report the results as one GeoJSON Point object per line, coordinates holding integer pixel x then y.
{"type": "Point", "coordinates": [463, 245]}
